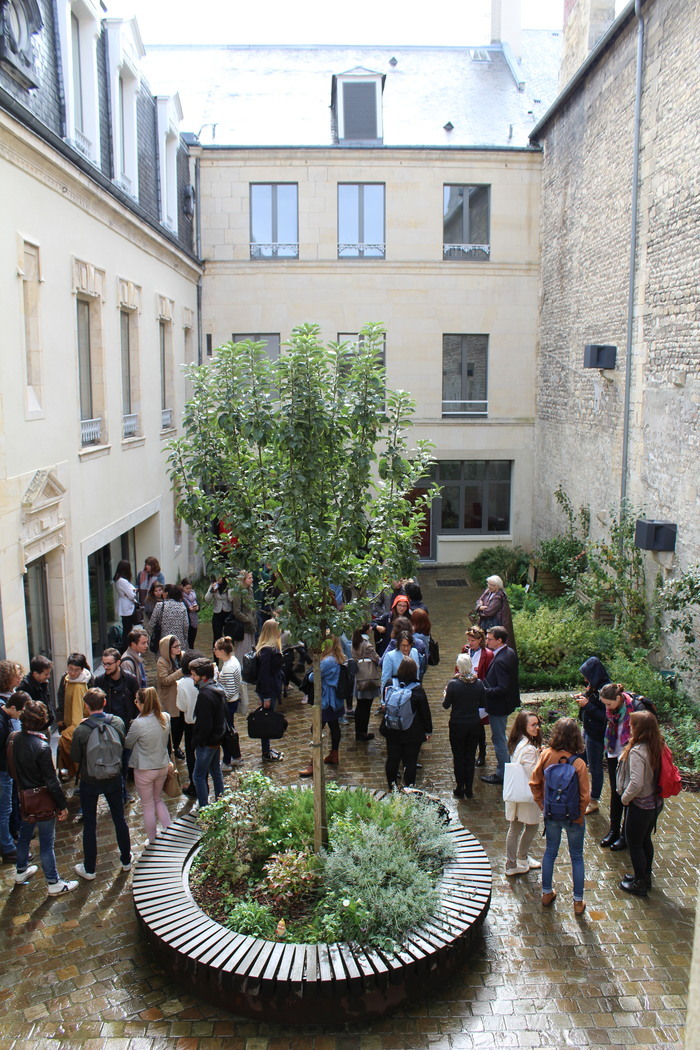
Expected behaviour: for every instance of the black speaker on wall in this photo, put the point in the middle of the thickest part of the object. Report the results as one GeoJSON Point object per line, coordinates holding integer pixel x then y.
{"type": "Point", "coordinates": [599, 355]}
{"type": "Point", "coordinates": [655, 535]}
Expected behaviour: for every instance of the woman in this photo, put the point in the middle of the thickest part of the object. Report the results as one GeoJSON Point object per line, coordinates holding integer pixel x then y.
{"type": "Point", "coordinates": [618, 709]}
{"type": "Point", "coordinates": [270, 682]}
{"type": "Point", "coordinates": [593, 715]}
{"type": "Point", "coordinates": [70, 708]}
{"type": "Point", "coordinates": [127, 597]}
{"type": "Point", "coordinates": [154, 596]}
{"type": "Point", "coordinates": [230, 681]}
{"type": "Point", "coordinates": [367, 680]}
{"type": "Point", "coordinates": [189, 597]}
{"type": "Point", "coordinates": [148, 741]}
{"type": "Point", "coordinates": [168, 674]}
{"type": "Point", "coordinates": [524, 745]}
{"type": "Point", "coordinates": [463, 697]}
{"type": "Point", "coordinates": [404, 623]}
{"type": "Point", "coordinates": [171, 615]}
{"type": "Point", "coordinates": [481, 658]}
{"type": "Point", "coordinates": [33, 767]}
{"type": "Point", "coordinates": [403, 745]}
{"type": "Point", "coordinates": [565, 743]}
{"type": "Point", "coordinates": [187, 696]}
{"type": "Point", "coordinates": [218, 596]}
{"type": "Point", "coordinates": [392, 658]}
{"type": "Point", "coordinates": [421, 627]}
{"type": "Point", "coordinates": [331, 704]}
{"type": "Point", "coordinates": [493, 608]}
{"type": "Point", "coordinates": [150, 574]}
{"type": "Point", "coordinates": [244, 610]}
{"type": "Point", "coordinates": [415, 596]}
{"type": "Point", "coordinates": [383, 626]}
{"type": "Point", "coordinates": [637, 782]}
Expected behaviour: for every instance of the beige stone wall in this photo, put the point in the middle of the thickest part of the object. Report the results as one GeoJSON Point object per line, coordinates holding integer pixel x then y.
{"type": "Point", "coordinates": [57, 498]}
{"type": "Point", "coordinates": [413, 292]}
{"type": "Point", "coordinates": [585, 272]}
{"type": "Point", "coordinates": [585, 22]}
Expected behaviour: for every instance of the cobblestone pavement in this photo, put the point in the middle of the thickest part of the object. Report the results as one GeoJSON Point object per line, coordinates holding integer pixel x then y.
{"type": "Point", "coordinates": [74, 971]}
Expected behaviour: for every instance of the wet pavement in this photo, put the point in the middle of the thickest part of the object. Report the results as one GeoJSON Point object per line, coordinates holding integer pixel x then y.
{"type": "Point", "coordinates": [74, 971]}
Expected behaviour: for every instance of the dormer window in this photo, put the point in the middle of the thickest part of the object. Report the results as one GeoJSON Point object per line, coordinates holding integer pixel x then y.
{"type": "Point", "coordinates": [169, 117]}
{"type": "Point", "coordinates": [79, 30]}
{"type": "Point", "coordinates": [356, 101]}
{"type": "Point", "coordinates": [125, 53]}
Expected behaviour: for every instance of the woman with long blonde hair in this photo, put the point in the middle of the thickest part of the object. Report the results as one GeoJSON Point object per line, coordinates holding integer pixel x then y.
{"type": "Point", "coordinates": [147, 739]}
{"type": "Point", "coordinates": [637, 783]}
{"type": "Point", "coordinates": [270, 681]}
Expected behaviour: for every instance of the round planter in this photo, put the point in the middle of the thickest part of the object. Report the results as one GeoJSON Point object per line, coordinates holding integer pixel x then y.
{"type": "Point", "coordinates": [301, 983]}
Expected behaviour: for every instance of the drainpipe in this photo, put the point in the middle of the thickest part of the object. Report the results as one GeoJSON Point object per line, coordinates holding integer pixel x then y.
{"type": "Point", "coordinates": [633, 252]}
{"type": "Point", "coordinates": [198, 216]}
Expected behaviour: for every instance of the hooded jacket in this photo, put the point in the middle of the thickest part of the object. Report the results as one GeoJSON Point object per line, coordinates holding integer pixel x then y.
{"type": "Point", "coordinates": [167, 677]}
{"type": "Point", "coordinates": [593, 714]}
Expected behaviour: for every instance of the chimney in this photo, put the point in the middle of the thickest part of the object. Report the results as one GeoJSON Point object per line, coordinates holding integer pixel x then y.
{"type": "Point", "coordinates": [585, 22]}
{"type": "Point", "coordinates": [506, 26]}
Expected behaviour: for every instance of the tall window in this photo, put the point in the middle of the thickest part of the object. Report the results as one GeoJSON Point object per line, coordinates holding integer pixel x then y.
{"type": "Point", "coordinates": [361, 220]}
{"type": "Point", "coordinates": [465, 222]}
{"type": "Point", "coordinates": [128, 337]}
{"type": "Point", "coordinates": [475, 495]}
{"type": "Point", "coordinates": [78, 115]}
{"type": "Point", "coordinates": [165, 349]}
{"type": "Point", "coordinates": [270, 339]}
{"type": "Point", "coordinates": [90, 421]}
{"type": "Point", "coordinates": [31, 283]}
{"type": "Point", "coordinates": [274, 228]}
{"type": "Point", "coordinates": [465, 375]}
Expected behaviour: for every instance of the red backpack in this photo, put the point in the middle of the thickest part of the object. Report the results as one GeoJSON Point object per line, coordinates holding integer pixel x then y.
{"type": "Point", "coordinates": [669, 777]}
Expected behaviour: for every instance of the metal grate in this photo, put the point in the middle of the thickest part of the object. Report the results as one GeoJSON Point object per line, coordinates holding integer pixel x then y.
{"type": "Point", "coordinates": [451, 583]}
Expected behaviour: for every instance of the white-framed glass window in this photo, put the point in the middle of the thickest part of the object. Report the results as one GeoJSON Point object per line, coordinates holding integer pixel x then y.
{"type": "Point", "coordinates": [274, 220]}
{"type": "Point", "coordinates": [270, 339]}
{"type": "Point", "coordinates": [475, 496]}
{"type": "Point", "coordinates": [169, 115]}
{"type": "Point", "coordinates": [465, 360]}
{"type": "Point", "coordinates": [466, 222]}
{"type": "Point", "coordinates": [165, 354]}
{"type": "Point", "coordinates": [125, 51]}
{"type": "Point", "coordinates": [357, 107]}
{"type": "Point", "coordinates": [361, 220]}
{"type": "Point", "coordinates": [30, 272]}
{"type": "Point", "coordinates": [79, 27]}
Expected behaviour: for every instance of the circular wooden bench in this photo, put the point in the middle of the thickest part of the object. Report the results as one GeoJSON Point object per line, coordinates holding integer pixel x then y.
{"type": "Point", "coordinates": [302, 983]}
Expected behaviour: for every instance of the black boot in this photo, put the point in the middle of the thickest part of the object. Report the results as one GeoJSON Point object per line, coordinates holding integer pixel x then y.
{"type": "Point", "coordinates": [481, 760]}
{"type": "Point", "coordinates": [619, 843]}
{"type": "Point", "coordinates": [612, 836]}
{"type": "Point", "coordinates": [637, 887]}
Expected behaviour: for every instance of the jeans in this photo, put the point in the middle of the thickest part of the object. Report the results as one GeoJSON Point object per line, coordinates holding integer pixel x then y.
{"type": "Point", "coordinates": [464, 741]}
{"type": "Point", "coordinates": [575, 834]}
{"type": "Point", "coordinates": [595, 750]}
{"type": "Point", "coordinates": [7, 843]}
{"type": "Point", "coordinates": [90, 792]}
{"type": "Point", "coordinates": [47, 831]}
{"type": "Point", "coordinates": [206, 760]}
{"type": "Point", "coordinates": [639, 826]}
{"type": "Point", "coordinates": [498, 736]}
{"type": "Point", "coordinates": [149, 784]}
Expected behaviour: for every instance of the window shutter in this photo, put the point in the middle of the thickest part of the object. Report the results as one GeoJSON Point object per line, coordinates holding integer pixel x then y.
{"type": "Point", "coordinates": [359, 111]}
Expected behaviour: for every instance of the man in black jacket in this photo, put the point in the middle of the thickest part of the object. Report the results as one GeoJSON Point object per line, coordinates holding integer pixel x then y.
{"type": "Point", "coordinates": [36, 683]}
{"type": "Point", "coordinates": [502, 696]}
{"type": "Point", "coordinates": [209, 730]}
{"type": "Point", "coordinates": [120, 688]}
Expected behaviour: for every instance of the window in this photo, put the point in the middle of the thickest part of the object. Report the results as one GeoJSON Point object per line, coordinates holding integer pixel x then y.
{"type": "Point", "coordinates": [79, 29]}
{"type": "Point", "coordinates": [465, 222]}
{"type": "Point", "coordinates": [270, 339]}
{"type": "Point", "coordinates": [273, 221]}
{"type": "Point", "coordinates": [89, 286]}
{"type": "Point", "coordinates": [31, 283]}
{"type": "Point", "coordinates": [129, 362]}
{"type": "Point", "coordinates": [169, 117]}
{"type": "Point", "coordinates": [356, 102]}
{"type": "Point", "coordinates": [90, 426]}
{"type": "Point", "coordinates": [475, 495]}
{"type": "Point", "coordinates": [361, 220]}
{"type": "Point", "coordinates": [20, 20]}
{"type": "Point", "coordinates": [355, 337]}
{"type": "Point", "coordinates": [165, 354]}
{"type": "Point", "coordinates": [465, 375]}
{"type": "Point", "coordinates": [125, 51]}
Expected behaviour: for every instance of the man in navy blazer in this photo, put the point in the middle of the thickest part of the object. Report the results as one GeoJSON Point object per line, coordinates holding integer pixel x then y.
{"type": "Point", "coordinates": [502, 695]}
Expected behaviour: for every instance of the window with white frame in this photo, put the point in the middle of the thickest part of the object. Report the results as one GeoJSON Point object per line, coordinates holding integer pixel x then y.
{"type": "Point", "coordinates": [361, 220]}
{"type": "Point", "coordinates": [466, 222]}
{"type": "Point", "coordinates": [165, 353]}
{"type": "Point", "coordinates": [475, 496]}
{"type": "Point", "coordinates": [89, 287]}
{"type": "Point", "coordinates": [169, 113]}
{"type": "Point", "coordinates": [79, 29]}
{"type": "Point", "coordinates": [270, 339]}
{"type": "Point", "coordinates": [465, 361]}
{"type": "Point", "coordinates": [30, 272]}
{"type": "Point", "coordinates": [357, 107]}
{"type": "Point", "coordinates": [125, 53]}
{"type": "Point", "coordinates": [129, 296]}
{"type": "Point", "coordinates": [274, 222]}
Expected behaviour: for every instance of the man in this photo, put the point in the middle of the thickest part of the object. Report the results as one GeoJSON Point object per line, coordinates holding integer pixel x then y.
{"type": "Point", "coordinates": [36, 683]}
{"type": "Point", "coordinates": [100, 768]}
{"type": "Point", "coordinates": [502, 696]}
{"type": "Point", "coordinates": [120, 688]}
{"type": "Point", "coordinates": [132, 657]}
{"type": "Point", "coordinates": [9, 723]}
{"type": "Point", "coordinates": [209, 729]}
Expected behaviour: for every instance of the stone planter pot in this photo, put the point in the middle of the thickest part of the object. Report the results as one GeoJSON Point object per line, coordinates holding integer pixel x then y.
{"type": "Point", "coordinates": [301, 983]}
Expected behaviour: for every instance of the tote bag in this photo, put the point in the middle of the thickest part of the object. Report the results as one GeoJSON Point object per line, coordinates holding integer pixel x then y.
{"type": "Point", "coordinates": [516, 787]}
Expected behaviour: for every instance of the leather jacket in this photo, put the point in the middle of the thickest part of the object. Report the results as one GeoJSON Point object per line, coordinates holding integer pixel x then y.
{"type": "Point", "coordinates": [34, 766]}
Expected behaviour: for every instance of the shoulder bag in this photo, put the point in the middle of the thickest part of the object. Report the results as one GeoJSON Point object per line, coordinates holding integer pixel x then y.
{"type": "Point", "coordinates": [516, 786]}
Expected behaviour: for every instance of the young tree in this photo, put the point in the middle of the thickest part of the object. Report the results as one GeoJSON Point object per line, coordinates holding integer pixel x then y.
{"type": "Point", "coordinates": [306, 461]}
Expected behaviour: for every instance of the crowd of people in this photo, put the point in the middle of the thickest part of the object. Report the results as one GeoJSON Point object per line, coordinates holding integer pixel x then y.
{"type": "Point", "coordinates": [113, 726]}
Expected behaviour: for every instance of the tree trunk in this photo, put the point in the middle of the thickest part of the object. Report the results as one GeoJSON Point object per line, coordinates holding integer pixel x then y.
{"type": "Point", "coordinates": [320, 822]}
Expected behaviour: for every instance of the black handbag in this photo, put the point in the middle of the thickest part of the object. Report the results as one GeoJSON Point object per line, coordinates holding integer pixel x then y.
{"type": "Point", "coordinates": [266, 724]}
{"type": "Point", "coordinates": [156, 632]}
{"type": "Point", "coordinates": [234, 629]}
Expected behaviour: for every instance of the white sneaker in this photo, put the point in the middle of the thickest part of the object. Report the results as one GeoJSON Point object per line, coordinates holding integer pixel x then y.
{"type": "Point", "coordinates": [23, 876]}
{"type": "Point", "coordinates": [127, 867]}
{"type": "Point", "coordinates": [54, 888]}
{"type": "Point", "coordinates": [226, 767]}
{"type": "Point", "coordinates": [532, 864]}
{"type": "Point", "coordinates": [520, 869]}
{"type": "Point", "coordinates": [196, 807]}
{"type": "Point", "coordinates": [80, 870]}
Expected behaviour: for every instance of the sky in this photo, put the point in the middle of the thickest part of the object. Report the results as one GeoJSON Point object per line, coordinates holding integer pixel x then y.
{"type": "Point", "coordinates": [439, 22]}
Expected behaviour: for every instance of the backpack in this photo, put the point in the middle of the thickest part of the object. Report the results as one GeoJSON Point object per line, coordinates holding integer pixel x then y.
{"type": "Point", "coordinates": [346, 680]}
{"type": "Point", "coordinates": [250, 667]}
{"type": "Point", "coordinates": [642, 703]}
{"type": "Point", "coordinates": [562, 797]}
{"type": "Point", "coordinates": [103, 755]}
{"type": "Point", "coordinates": [398, 709]}
{"type": "Point", "coordinates": [669, 776]}
{"type": "Point", "coordinates": [433, 652]}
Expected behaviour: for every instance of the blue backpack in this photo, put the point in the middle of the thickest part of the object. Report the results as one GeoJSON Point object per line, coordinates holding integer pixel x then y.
{"type": "Point", "coordinates": [562, 797]}
{"type": "Point", "coordinates": [398, 709]}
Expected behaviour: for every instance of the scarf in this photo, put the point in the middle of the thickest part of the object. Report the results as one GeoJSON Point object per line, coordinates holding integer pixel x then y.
{"type": "Point", "coordinates": [618, 727]}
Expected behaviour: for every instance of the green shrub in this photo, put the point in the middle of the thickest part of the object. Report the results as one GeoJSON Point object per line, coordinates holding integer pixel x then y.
{"type": "Point", "coordinates": [510, 563]}
{"type": "Point", "coordinates": [557, 633]}
{"type": "Point", "coordinates": [250, 917]}
{"type": "Point", "coordinates": [522, 598]}
{"type": "Point", "coordinates": [291, 874]}
{"type": "Point", "coordinates": [564, 556]}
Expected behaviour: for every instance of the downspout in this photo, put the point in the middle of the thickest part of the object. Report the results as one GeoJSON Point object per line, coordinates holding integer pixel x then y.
{"type": "Point", "coordinates": [633, 254]}
{"type": "Point", "coordinates": [198, 250]}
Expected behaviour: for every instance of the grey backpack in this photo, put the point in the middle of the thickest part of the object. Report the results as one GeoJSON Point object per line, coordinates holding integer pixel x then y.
{"type": "Point", "coordinates": [103, 755]}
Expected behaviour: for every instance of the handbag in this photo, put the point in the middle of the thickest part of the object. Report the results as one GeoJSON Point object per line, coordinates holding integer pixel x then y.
{"type": "Point", "coordinates": [156, 631]}
{"type": "Point", "coordinates": [234, 629]}
{"type": "Point", "coordinates": [172, 786]}
{"type": "Point", "coordinates": [137, 617]}
{"type": "Point", "coordinates": [35, 803]}
{"type": "Point", "coordinates": [516, 787]}
{"type": "Point", "coordinates": [266, 724]}
{"type": "Point", "coordinates": [232, 742]}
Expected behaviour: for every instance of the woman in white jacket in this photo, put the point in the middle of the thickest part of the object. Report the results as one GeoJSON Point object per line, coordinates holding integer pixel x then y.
{"type": "Point", "coordinates": [524, 744]}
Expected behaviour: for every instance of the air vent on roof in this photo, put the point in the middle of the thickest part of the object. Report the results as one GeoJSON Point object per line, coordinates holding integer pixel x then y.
{"type": "Point", "coordinates": [479, 54]}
